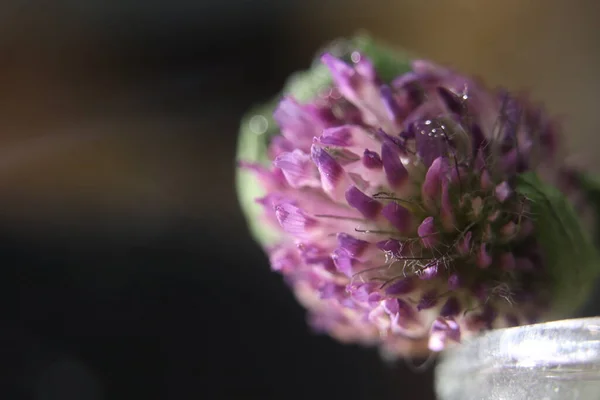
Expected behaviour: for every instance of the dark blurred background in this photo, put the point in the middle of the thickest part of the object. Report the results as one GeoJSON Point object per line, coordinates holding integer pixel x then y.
{"type": "Point", "coordinates": [127, 270]}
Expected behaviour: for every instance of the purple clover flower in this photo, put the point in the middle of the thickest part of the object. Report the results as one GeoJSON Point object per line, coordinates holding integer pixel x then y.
{"type": "Point", "coordinates": [399, 223]}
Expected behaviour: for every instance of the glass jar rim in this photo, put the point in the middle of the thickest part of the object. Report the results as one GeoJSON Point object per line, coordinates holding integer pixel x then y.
{"type": "Point", "coordinates": [570, 348]}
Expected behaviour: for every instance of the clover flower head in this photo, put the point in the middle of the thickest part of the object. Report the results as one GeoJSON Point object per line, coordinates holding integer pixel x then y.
{"type": "Point", "coordinates": [398, 219]}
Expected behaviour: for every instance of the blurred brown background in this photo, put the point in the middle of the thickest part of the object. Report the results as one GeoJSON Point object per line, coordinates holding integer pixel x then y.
{"type": "Point", "coordinates": [124, 249]}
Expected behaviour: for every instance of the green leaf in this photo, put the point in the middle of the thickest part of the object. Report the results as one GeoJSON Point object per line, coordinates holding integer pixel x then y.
{"type": "Point", "coordinates": [258, 126]}
{"type": "Point", "coordinates": [252, 146]}
{"type": "Point", "coordinates": [571, 257]}
{"type": "Point", "coordinates": [590, 185]}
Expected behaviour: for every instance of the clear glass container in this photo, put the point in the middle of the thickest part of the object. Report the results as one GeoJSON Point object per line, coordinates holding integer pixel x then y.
{"type": "Point", "coordinates": [556, 360]}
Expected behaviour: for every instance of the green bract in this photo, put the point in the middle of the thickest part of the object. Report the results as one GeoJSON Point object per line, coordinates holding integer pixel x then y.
{"type": "Point", "coordinates": [569, 253]}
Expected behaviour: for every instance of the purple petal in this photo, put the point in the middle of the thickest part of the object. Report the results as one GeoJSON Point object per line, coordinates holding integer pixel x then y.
{"type": "Point", "coordinates": [365, 68]}
{"type": "Point", "coordinates": [413, 95]}
{"type": "Point", "coordinates": [391, 246]}
{"type": "Point", "coordinates": [409, 132]}
{"type": "Point", "coordinates": [366, 205]}
{"type": "Point", "coordinates": [427, 68]}
{"type": "Point", "coordinates": [404, 320]}
{"type": "Point", "coordinates": [486, 180]}
{"type": "Point", "coordinates": [348, 302]}
{"type": "Point", "coordinates": [394, 170]}
{"type": "Point", "coordinates": [510, 161]}
{"type": "Point", "coordinates": [332, 173]}
{"type": "Point", "coordinates": [328, 167]}
{"type": "Point", "coordinates": [293, 220]}
{"type": "Point", "coordinates": [268, 179]}
{"type": "Point", "coordinates": [343, 261]}
{"type": "Point", "coordinates": [374, 299]}
{"type": "Point", "coordinates": [400, 287]}
{"type": "Point", "coordinates": [343, 75]}
{"type": "Point", "coordinates": [312, 253]}
{"type": "Point", "coordinates": [371, 160]}
{"type": "Point", "coordinates": [512, 113]}
{"type": "Point", "coordinates": [404, 309]}
{"type": "Point", "coordinates": [433, 179]}
{"type": "Point", "coordinates": [332, 291]}
{"type": "Point", "coordinates": [271, 200]}
{"type": "Point", "coordinates": [340, 136]}
{"type": "Point", "coordinates": [430, 271]}
{"type": "Point", "coordinates": [405, 79]}
{"type": "Point", "coordinates": [328, 264]}
{"type": "Point", "coordinates": [298, 122]}
{"type": "Point", "coordinates": [359, 85]}
{"type": "Point", "coordinates": [391, 105]}
{"type": "Point", "coordinates": [396, 142]}
{"type": "Point", "coordinates": [283, 259]}
{"type": "Point", "coordinates": [443, 330]}
{"type": "Point", "coordinates": [503, 191]}
{"type": "Point", "coordinates": [278, 145]}
{"type": "Point", "coordinates": [453, 282]}
{"type": "Point", "coordinates": [509, 230]}
{"type": "Point", "coordinates": [484, 260]}
{"type": "Point", "coordinates": [476, 206]}
{"type": "Point", "coordinates": [494, 215]}
{"type": "Point", "coordinates": [298, 169]}
{"type": "Point", "coordinates": [464, 245]}
{"type": "Point", "coordinates": [453, 101]}
{"type": "Point", "coordinates": [354, 247]}
{"type": "Point", "coordinates": [391, 306]}
{"type": "Point", "coordinates": [398, 216]}
{"type": "Point", "coordinates": [326, 115]}
{"type": "Point", "coordinates": [428, 232]}
{"type": "Point", "coordinates": [353, 138]}
{"type": "Point", "coordinates": [431, 141]}
{"type": "Point", "coordinates": [362, 292]}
